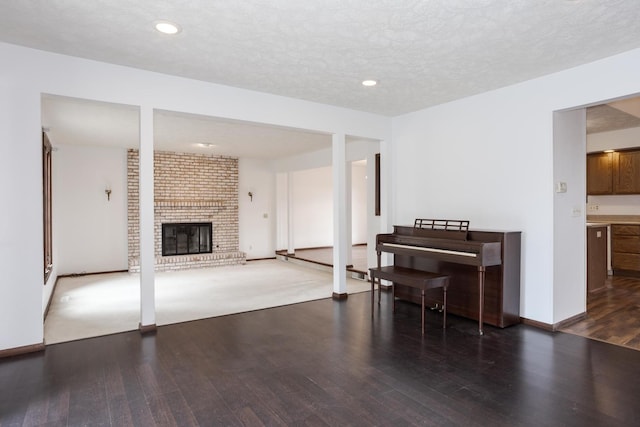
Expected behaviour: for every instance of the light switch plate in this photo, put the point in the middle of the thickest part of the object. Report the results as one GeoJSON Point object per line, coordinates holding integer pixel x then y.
{"type": "Point", "coordinates": [561, 187]}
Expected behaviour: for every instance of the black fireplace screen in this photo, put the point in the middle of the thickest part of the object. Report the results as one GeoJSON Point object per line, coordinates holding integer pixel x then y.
{"type": "Point", "coordinates": [186, 238]}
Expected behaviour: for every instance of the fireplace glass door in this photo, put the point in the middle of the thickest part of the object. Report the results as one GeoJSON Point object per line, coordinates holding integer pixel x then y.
{"type": "Point", "coordinates": [186, 238]}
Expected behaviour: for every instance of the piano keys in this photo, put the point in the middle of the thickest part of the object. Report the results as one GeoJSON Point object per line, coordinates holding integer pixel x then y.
{"type": "Point", "coordinates": [484, 267]}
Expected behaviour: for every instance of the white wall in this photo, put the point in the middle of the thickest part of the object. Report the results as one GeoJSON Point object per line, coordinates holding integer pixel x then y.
{"type": "Point", "coordinates": [282, 210]}
{"type": "Point", "coordinates": [494, 170]}
{"type": "Point", "coordinates": [21, 242]}
{"type": "Point", "coordinates": [312, 208]}
{"type": "Point", "coordinates": [359, 203]}
{"type": "Point", "coordinates": [490, 159]}
{"type": "Point", "coordinates": [81, 175]}
{"type": "Point", "coordinates": [614, 205]}
{"type": "Point", "coordinates": [365, 225]}
{"type": "Point", "coordinates": [27, 73]}
{"type": "Point", "coordinates": [616, 139]}
{"type": "Point", "coordinates": [91, 231]}
{"type": "Point", "coordinates": [569, 134]}
{"type": "Point", "coordinates": [256, 217]}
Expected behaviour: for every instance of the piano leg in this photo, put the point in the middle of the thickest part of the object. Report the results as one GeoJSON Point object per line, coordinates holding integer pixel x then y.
{"type": "Point", "coordinates": [393, 295]}
{"type": "Point", "coordinates": [422, 317]}
{"type": "Point", "coordinates": [481, 274]}
{"type": "Point", "coordinates": [444, 307]}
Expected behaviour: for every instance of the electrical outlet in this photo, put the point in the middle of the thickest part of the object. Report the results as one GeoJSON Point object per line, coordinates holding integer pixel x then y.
{"type": "Point", "coordinates": [593, 208]}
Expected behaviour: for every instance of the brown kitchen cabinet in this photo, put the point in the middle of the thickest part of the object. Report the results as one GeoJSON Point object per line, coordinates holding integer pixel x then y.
{"type": "Point", "coordinates": [613, 173]}
{"type": "Point", "coordinates": [625, 249]}
{"type": "Point", "coordinates": [596, 257]}
{"type": "Point", "coordinates": [599, 173]}
{"type": "Point", "coordinates": [626, 167]}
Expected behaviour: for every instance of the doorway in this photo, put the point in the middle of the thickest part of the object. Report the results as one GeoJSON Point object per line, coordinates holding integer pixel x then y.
{"type": "Point", "coordinates": [612, 313]}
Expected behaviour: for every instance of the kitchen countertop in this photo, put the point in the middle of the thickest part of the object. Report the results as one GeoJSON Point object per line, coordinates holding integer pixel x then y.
{"type": "Point", "coordinates": [613, 219]}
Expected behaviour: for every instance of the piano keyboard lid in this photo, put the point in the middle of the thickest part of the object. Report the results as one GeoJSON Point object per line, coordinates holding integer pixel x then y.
{"type": "Point", "coordinates": [430, 249]}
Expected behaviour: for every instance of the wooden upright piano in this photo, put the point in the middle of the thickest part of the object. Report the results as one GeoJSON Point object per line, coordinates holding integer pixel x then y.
{"type": "Point", "coordinates": [484, 267]}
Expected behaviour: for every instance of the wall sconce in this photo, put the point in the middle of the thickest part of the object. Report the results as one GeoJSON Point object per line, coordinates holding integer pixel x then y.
{"type": "Point", "coordinates": [108, 193]}
{"type": "Point", "coordinates": [251, 195]}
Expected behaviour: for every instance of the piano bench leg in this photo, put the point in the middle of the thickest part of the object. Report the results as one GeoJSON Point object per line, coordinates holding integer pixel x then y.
{"type": "Point", "coordinates": [373, 292]}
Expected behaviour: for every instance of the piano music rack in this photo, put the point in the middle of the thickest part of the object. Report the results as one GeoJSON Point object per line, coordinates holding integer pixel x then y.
{"type": "Point", "coordinates": [442, 224]}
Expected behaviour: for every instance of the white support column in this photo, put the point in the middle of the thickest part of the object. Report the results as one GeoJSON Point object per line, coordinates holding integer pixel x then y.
{"type": "Point", "coordinates": [147, 255]}
{"type": "Point", "coordinates": [291, 249]}
{"type": "Point", "coordinates": [373, 221]}
{"type": "Point", "coordinates": [339, 217]}
{"type": "Point", "coordinates": [386, 215]}
{"type": "Point", "coordinates": [282, 211]}
{"type": "Point", "coordinates": [348, 186]}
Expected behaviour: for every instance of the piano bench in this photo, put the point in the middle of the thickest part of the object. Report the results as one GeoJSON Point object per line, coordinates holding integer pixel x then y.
{"type": "Point", "coordinates": [422, 280]}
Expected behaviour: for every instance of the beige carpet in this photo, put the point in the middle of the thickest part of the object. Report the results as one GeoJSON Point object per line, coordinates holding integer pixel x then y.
{"type": "Point", "coordinates": [95, 305]}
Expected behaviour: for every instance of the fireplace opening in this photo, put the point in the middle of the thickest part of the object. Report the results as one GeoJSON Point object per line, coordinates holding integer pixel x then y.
{"type": "Point", "coordinates": [186, 238]}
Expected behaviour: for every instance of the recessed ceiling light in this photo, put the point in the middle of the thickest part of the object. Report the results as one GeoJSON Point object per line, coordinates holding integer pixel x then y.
{"type": "Point", "coordinates": [167, 27]}
{"type": "Point", "coordinates": [369, 83]}
{"type": "Point", "coordinates": [206, 145]}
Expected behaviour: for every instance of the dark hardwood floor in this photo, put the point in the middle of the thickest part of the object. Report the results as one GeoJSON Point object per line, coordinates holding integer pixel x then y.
{"type": "Point", "coordinates": [325, 363]}
{"type": "Point", "coordinates": [613, 313]}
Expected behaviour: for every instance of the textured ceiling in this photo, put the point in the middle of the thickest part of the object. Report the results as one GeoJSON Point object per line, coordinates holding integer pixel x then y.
{"type": "Point", "coordinates": [604, 118]}
{"type": "Point", "coordinates": [422, 52]}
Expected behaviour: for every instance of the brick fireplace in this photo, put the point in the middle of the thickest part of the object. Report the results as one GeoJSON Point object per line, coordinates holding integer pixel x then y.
{"type": "Point", "coordinates": [188, 189]}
